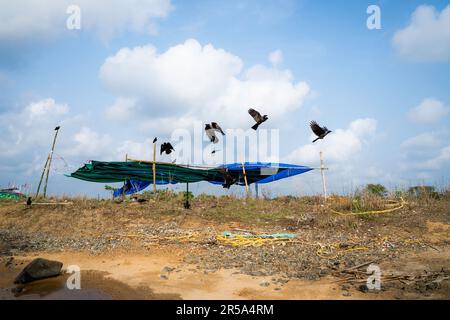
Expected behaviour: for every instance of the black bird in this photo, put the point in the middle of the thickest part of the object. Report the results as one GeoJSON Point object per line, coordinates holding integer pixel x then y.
{"type": "Point", "coordinates": [154, 140]}
{"type": "Point", "coordinates": [167, 148]}
{"type": "Point", "coordinates": [29, 201]}
{"type": "Point", "coordinates": [211, 131]}
{"type": "Point", "coordinates": [57, 128]}
{"type": "Point", "coordinates": [228, 180]}
{"type": "Point", "coordinates": [319, 131]}
{"type": "Point", "coordinates": [257, 117]}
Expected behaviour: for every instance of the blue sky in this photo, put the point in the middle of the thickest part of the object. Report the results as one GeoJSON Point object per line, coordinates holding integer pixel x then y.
{"type": "Point", "coordinates": [384, 92]}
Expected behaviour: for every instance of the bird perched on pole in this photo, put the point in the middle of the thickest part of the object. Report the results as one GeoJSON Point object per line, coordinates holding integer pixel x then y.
{"type": "Point", "coordinates": [257, 117]}
{"type": "Point", "coordinates": [167, 148]}
{"type": "Point", "coordinates": [319, 131]}
{"type": "Point", "coordinates": [154, 140]}
{"type": "Point", "coordinates": [211, 129]}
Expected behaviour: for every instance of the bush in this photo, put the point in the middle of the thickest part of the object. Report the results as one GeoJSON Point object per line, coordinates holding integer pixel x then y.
{"type": "Point", "coordinates": [377, 189]}
{"type": "Point", "coordinates": [423, 191]}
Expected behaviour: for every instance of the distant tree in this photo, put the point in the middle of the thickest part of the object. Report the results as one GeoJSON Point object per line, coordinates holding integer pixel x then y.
{"type": "Point", "coordinates": [377, 189]}
{"type": "Point", "coordinates": [421, 191]}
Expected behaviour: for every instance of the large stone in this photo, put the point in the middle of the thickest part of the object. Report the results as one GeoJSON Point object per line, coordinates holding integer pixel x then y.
{"type": "Point", "coordinates": [39, 269]}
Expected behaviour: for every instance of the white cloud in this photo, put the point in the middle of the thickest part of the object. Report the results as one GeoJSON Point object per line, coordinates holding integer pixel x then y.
{"type": "Point", "coordinates": [46, 107]}
{"type": "Point", "coordinates": [276, 57]}
{"type": "Point", "coordinates": [338, 146]}
{"type": "Point", "coordinates": [438, 162]}
{"type": "Point", "coordinates": [122, 109]}
{"type": "Point", "coordinates": [27, 137]}
{"type": "Point", "coordinates": [427, 37]}
{"type": "Point", "coordinates": [45, 19]}
{"type": "Point", "coordinates": [422, 141]}
{"type": "Point", "coordinates": [195, 82]}
{"type": "Point", "coordinates": [90, 143]}
{"type": "Point", "coordinates": [428, 111]}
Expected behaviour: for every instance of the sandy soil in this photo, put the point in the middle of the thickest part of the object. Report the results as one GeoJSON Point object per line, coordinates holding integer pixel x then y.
{"type": "Point", "coordinates": [137, 254]}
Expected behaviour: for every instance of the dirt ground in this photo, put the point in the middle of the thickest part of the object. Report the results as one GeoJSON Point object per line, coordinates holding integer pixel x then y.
{"type": "Point", "coordinates": [159, 250]}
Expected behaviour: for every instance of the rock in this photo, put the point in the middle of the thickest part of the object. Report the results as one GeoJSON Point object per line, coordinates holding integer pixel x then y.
{"type": "Point", "coordinates": [39, 269]}
{"type": "Point", "coordinates": [167, 269]}
{"type": "Point", "coordinates": [363, 288]}
{"type": "Point", "coordinates": [163, 276]}
{"type": "Point", "coordinates": [264, 284]}
{"type": "Point", "coordinates": [346, 294]}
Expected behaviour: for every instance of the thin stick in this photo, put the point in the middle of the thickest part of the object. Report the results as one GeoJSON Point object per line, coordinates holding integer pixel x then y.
{"type": "Point", "coordinates": [50, 160]}
{"type": "Point", "coordinates": [245, 179]}
{"type": "Point", "coordinates": [42, 176]}
{"type": "Point", "coordinates": [154, 167]}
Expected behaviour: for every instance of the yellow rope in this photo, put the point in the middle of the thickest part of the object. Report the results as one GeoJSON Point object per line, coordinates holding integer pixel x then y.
{"type": "Point", "coordinates": [400, 206]}
{"type": "Point", "coordinates": [240, 240]}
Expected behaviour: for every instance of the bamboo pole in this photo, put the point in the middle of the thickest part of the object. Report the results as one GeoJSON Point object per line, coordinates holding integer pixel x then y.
{"type": "Point", "coordinates": [322, 171]}
{"type": "Point", "coordinates": [154, 167]}
{"type": "Point", "coordinates": [125, 182]}
{"type": "Point", "coordinates": [50, 160]}
{"type": "Point", "coordinates": [245, 179]}
{"type": "Point", "coordinates": [42, 175]}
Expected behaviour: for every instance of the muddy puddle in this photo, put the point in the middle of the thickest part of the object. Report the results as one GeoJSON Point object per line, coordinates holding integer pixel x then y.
{"type": "Point", "coordinates": [96, 286]}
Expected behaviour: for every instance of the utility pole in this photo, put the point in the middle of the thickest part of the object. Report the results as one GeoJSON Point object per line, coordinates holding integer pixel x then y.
{"type": "Point", "coordinates": [47, 165]}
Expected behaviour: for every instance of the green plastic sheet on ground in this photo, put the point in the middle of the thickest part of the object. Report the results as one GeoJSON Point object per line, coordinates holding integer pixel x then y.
{"type": "Point", "coordinates": [10, 196]}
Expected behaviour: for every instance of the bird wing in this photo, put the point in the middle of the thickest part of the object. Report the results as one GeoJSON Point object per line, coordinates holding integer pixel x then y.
{"type": "Point", "coordinates": [318, 130]}
{"type": "Point", "coordinates": [255, 114]}
{"type": "Point", "coordinates": [170, 146]}
{"type": "Point", "coordinates": [217, 127]}
{"type": "Point", "coordinates": [163, 148]}
{"type": "Point", "coordinates": [211, 134]}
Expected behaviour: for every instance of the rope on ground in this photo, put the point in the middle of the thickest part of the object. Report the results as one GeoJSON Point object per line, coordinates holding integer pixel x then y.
{"type": "Point", "coordinates": [399, 206]}
{"type": "Point", "coordinates": [254, 240]}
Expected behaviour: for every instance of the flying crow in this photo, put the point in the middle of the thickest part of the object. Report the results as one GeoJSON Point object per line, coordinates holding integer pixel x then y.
{"type": "Point", "coordinates": [167, 148]}
{"type": "Point", "coordinates": [258, 118]}
{"type": "Point", "coordinates": [211, 131]}
{"type": "Point", "coordinates": [228, 180]}
{"type": "Point", "coordinates": [319, 131]}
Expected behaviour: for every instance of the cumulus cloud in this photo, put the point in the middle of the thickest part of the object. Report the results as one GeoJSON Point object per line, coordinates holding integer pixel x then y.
{"type": "Point", "coordinates": [47, 18]}
{"type": "Point", "coordinates": [27, 136]}
{"type": "Point", "coordinates": [338, 146]}
{"type": "Point", "coordinates": [195, 82]}
{"type": "Point", "coordinates": [428, 111]}
{"type": "Point", "coordinates": [427, 37]}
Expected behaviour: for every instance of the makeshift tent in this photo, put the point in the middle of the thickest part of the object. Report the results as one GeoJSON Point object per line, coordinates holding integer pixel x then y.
{"type": "Point", "coordinates": [11, 194]}
{"type": "Point", "coordinates": [139, 175]}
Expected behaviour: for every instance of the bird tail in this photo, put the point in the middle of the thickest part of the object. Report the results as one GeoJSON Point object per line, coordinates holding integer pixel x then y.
{"type": "Point", "coordinates": [256, 126]}
{"type": "Point", "coordinates": [316, 139]}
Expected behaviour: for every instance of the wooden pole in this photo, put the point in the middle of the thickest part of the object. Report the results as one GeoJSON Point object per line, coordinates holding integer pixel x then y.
{"type": "Point", "coordinates": [154, 167]}
{"type": "Point", "coordinates": [42, 175]}
{"type": "Point", "coordinates": [245, 179]}
{"type": "Point", "coordinates": [322, 171]}
{"type": "Point", "coordinates": [50, 160]}
{"type": "Point", "coordinates": [125, 182]}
